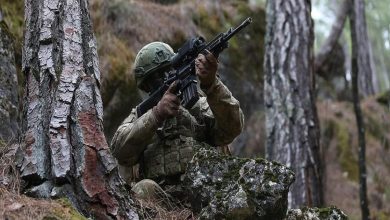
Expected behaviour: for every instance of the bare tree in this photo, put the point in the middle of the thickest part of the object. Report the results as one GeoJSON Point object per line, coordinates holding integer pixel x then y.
{"type": "Point", "coordinates": [291, 116]}
{"type": "Point", "coordinates": [360, 70]}
{"type": "Point", "coordinates": [65, 152]}
{"type": "Point", "coordinates": [362, 47]}
{"type": "Point", "coordinates": [8, 86]}
{"type": "Point", "coordinates": [331, 40]}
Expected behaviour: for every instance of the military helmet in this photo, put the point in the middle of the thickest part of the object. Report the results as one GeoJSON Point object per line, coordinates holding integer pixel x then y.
{"type": "Point", "coordinates": [150, 59]}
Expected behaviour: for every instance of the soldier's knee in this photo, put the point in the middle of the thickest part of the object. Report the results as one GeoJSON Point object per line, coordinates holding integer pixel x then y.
{"type": "Point", "coordinates": [147, 189]}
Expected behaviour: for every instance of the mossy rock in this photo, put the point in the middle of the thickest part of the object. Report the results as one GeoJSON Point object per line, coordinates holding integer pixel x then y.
{"type": "Point", "coordinates": [224, 187]}
{"type": "Point", "coordinates": [329, 213]}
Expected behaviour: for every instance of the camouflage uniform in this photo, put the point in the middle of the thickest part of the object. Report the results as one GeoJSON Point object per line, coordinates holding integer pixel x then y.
{"type": "Point", "coordinates": [163, 151]}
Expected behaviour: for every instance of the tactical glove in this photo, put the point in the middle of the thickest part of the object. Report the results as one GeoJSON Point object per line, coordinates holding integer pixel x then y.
{"type": "Point", "coordinates": [168, 106]}
{"type": "Point", "coordinates": [206, 68]}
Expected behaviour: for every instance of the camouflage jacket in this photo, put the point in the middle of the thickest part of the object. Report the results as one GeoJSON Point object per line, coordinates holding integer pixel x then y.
{"type": "Point", "coordinates": [216, 119]}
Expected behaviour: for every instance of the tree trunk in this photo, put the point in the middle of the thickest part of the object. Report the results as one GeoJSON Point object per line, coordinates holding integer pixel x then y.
{"type": "Point", "coordinates": [8, 86]}
{"type": "Point", "coordinates": [65, 153]}
{"type": "Point", "coordinates": [359, 28]}
{"type": "Point", "coordinates": [330, 42]}
{"type": "Point", "coordinates": [291, 116]}
{"type": "Point", "coordinates": [360, 66]}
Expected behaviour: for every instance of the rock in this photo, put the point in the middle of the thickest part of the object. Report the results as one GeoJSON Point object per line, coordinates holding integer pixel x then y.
{"type": "Point", "coordinates": [330, 213]}
{"type": "Point", "coordinates": [223, 187]}
{"type": "Point", "coordinates": [41, 191]}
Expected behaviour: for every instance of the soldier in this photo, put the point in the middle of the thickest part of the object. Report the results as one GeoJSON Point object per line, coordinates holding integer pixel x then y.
{"type": "Point", "coordinates": [162, 140]}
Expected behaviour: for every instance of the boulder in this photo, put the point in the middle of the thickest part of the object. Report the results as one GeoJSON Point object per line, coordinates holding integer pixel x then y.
{"type": "Point", "coordinates": [225, 187]}
{"type": "Point", "coordinates": [330, 213]}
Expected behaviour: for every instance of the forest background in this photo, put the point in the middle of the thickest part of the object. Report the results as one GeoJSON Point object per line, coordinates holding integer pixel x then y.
{"type": "Point", "coordinates": [122, 27]}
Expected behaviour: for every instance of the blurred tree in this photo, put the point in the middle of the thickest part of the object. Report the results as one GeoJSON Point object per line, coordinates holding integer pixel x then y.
{"type": "Point", "coordinates": [8, 82]}
{"type": "Point", "coordinates": [291, 115]}
{"type": "Point", "coordinates": [361, 64]}
{"type": "Point", "coordinates": [362, 49]}
{"type": "Point", "coordinates": [65, 153]}
{"type": "Point", "coordinates": [378, 29]}
{"type": "Point", "coordinates": [331, 41]}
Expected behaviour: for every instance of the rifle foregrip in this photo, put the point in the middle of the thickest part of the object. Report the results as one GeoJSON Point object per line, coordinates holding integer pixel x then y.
{"type": "Point", "coordinates": [144, 106]}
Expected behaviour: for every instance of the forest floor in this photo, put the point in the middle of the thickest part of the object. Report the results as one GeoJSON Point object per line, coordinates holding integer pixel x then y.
{"type": "Point", "coordinates": [340, 156]}
{"type": "Point", "coordinates": [14, 206]}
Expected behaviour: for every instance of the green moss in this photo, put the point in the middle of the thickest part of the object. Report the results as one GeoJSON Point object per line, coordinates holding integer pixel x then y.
{"type": "Point", "coordinates": [249, 43]}
{"type": "Point", "coordinates": [384, 98]}
{"type": "Point", "coordinates": [347, 158]}
{"type": "Point", "coordinates": [119, 58]}
{"type": "Point", "coordinates": [376, 129]}
{"type": "Point", "coordinates": [325, 213]}
{"type": "Point", "coordinates": [387, 193]}
{"type": "Point", "coordinates": [13, 13]}
{"type": "Point", "coordinates": [382, 215]}
{"type": "Point", "coordinates": [2, 144]}
{"type": "Point", "coordinates": [208, 23]}
{"type": "Point", "coordinates": [67, 211]}
{"type": "Point", "coordinates": [218, 194]}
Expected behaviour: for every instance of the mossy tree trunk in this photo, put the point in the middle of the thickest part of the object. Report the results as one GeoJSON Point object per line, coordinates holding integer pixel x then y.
{"type": "Point", "coordinates": [360, 70]}
{"type": "Point", "coordinates": [65, 153]}
{"type": "Point", "coordinates": [291, 116]}
{"type": "Point", "coordinates": [8, 86]}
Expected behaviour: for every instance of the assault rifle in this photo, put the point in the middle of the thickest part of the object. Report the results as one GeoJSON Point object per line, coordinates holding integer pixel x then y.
{"type": "Point", "coordinates": [183, 69]}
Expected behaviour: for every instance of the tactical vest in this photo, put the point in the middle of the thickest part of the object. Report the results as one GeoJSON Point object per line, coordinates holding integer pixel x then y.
{"type": "Point", "coordinates": [173, 144]}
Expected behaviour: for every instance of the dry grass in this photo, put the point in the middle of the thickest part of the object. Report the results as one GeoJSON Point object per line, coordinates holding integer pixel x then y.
{"type": "Point", "coordinates": [163, 207]}
{"type": "Point", "coordinates": [14, 206]}
{"type": "Point", "coordinates": [152, 209]}
{"type": "Point", "coordinates": [9, 175]}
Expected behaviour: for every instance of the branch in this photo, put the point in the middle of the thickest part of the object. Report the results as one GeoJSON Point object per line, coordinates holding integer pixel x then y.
{"type": "Point", "coordinates": [337, 29]}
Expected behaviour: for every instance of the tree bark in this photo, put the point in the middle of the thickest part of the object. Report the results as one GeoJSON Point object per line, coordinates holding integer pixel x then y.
{"type": "Point", "coordinates": [362, 47]}
{"type": "Point", "coordinates": [65, 153]}
{"type": "Point", "coordinates": [291, 115]}
{"type": "Point", "coordinates": [360, 66]}
{"type": "Point", "coordinates": [8, 86]}
{"type": "Point", "coordinates": [330, 42]}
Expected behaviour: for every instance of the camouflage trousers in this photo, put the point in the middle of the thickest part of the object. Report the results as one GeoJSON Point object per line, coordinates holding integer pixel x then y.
{"type": "Point", "coordinates": [169, 188]}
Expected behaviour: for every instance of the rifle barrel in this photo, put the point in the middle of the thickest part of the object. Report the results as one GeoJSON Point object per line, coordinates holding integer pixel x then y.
{"type": "Point", "coordinates": [239, 28]}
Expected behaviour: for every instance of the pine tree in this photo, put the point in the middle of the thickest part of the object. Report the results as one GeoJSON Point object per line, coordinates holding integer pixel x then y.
{"type": "Point", "coordinates": [291, 115]}
{"type": "Point", "coordinates": [65, 153]}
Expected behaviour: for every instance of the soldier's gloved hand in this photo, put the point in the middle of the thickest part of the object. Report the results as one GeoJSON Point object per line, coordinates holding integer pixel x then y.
{"type": "Point", "coordinates": [206, 69]}
{"type": "Point", "coordinates": [168, 106]}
